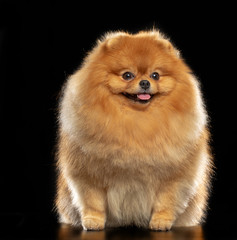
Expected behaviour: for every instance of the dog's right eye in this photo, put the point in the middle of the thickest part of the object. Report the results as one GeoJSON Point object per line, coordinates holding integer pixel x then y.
{"type": "Point", "coordinates": [128, 76]}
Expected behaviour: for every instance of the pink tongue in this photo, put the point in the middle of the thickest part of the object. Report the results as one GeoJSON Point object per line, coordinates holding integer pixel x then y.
{"type": "Point", "coordinates": [144, 96]}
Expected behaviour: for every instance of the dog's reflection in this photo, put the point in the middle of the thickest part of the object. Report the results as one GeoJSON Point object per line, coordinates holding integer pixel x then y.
{"type": "Point", "coordinates": [67, 232]}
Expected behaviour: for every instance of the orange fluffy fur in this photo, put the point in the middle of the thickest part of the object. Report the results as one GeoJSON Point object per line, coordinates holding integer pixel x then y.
{"type": "Point", "coordinates": [122, 162]}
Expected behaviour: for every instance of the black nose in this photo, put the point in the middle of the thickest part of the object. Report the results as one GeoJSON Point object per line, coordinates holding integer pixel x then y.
{"type": "Point", "coordinates": [144, 84]}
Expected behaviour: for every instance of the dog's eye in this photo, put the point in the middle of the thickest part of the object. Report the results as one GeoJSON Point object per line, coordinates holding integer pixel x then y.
{"type": "Point", "coordinates": [128, 76]}
{"type": "Point", "coordinates": [155, 76]}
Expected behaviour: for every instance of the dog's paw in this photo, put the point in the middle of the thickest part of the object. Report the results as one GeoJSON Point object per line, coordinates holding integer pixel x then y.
{"type": "Point", "coordinates": [160, 224]}
{"type": "Point", "coordinates": [91, 223]}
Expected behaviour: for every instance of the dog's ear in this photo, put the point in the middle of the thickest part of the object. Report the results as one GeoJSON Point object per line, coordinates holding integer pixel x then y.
{"type": "Point", "coordinates": [163, 41]}
{"type": "Point", "coordinates": [112, 40]}
{"type": "Point", "coordinates": [170, 47]}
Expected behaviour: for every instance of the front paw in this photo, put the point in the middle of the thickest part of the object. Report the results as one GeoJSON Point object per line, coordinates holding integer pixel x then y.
{"type": "Point", "coordinates": [92, 223]}
{"type": "Point", "coordinates": [160, 223]}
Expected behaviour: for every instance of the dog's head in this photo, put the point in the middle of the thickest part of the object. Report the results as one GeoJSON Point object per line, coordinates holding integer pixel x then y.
{"type": "Point", "coordinates": [135, 69]}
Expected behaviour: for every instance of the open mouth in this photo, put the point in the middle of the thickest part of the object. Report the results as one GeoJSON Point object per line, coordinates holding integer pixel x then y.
{"type": "Point", "coordinates": [140, 97]}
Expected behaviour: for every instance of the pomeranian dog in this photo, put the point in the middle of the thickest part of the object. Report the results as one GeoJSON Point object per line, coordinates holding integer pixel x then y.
{"type": "Point", "coordinates": [133, 145]}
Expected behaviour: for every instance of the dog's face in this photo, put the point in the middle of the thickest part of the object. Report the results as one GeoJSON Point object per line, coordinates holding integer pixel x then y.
{"type": "Point", "coordinates": [140, 68]}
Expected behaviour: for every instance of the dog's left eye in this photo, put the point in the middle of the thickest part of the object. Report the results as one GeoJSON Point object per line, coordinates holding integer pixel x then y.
{"type": "Point", "coordinates": [128, 76]}
{"type": "Point", "coordinates": [155, 76]}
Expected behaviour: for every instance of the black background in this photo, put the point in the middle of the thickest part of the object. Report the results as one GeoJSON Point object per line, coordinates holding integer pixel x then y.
{"type": "Point", "coordinates": [43, 42]}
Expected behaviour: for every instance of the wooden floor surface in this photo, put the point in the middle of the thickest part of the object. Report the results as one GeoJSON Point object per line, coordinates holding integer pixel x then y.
{"type": "Point", "coordinates": [191, 233]}
{"type": "Point", "coordinates": [35, 226]}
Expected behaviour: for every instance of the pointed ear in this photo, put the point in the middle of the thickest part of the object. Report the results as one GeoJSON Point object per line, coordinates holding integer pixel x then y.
{"type": "Point", "coordinates": [113, 39]}
{"type": "Point", "coordinates": [170, 48]}
{"type": "Point", "coordinates": [164, 40]}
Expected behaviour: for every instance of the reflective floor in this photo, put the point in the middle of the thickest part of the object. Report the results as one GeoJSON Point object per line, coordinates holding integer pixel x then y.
{"type": "Point", "coordinates": [193, 233]}
{"type": "Point", "coordinates": [34, 227]}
